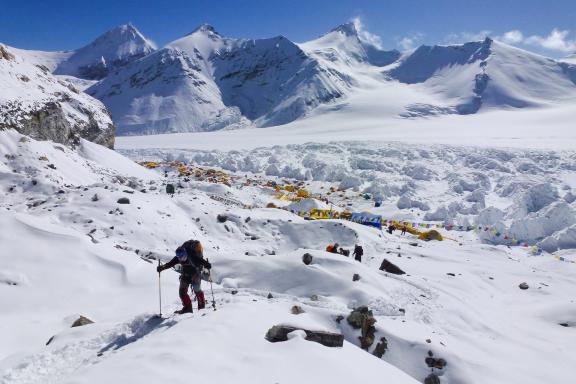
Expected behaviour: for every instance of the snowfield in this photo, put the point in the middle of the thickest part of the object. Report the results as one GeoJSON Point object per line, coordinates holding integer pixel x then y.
{"type": "Point", "coordinates": [69, 249]}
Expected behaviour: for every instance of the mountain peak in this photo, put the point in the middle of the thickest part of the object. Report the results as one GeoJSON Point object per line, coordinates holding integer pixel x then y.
{"type": "Point", "coordinates": [205, 28]}
{"type": "Point", "coordinates": [348, 29]}
{"type": "Point", "coordinates": [113, 49]}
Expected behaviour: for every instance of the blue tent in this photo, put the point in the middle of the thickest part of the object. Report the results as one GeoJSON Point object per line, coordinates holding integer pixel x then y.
{"type": "Point", "coordinates": [367, 219]}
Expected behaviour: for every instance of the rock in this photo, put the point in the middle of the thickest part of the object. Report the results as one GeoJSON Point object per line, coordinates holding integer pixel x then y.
{"type": "Point", "coordinates": [355, 277]}
{"type": "Point", "coordinates": [440, 363]}
{"type": "Point", "coordinates": [564, 324]}
{"type": "Point", "coordinates": [381, 347]}
{"type": "Point", "coordinates": [432, 379]}
{"type": "Point", "coordinates": [307, 258]}
{"type": "Point", "coordinates": [450, 274]}
{"type": "Point", "coordinates": [222, 218]}
{"type": "Point", "coordinates": [234, 291]}
{"type": "Point", "coordinates": [414, 244]}
{"type": "Point", "coordinates": [123, 200]}
{"type": "Point", "coordinates": [270, 295]}
{"type": "Point", "coordinates": [391, 268]}
{"type": "Point", "coordinates": [339, 318]}
{"type": "Point", "coordinates": [280, 333]}
{"type": "Point", "coordinates": [95, 197]}
{"type": "Point", "coordinates": [314, 298]}
{"type": "Point", "coordinates": [363, 319]}
{"type": "Point", "coordinates": [296, 310]}
{"type": "Point", "coordinates": [81, 321]}
{"type": "Point", "coordinates": [523, 286]}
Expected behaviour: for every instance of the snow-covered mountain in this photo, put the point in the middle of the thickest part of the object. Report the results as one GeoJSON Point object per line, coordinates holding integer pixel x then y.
{"type": "Point", "coordinates": [487, 74]}
{"type": "Point", "coordinates": [274, 82]}
{"type": "Point", "coordinates": [205, 81]}
{"type": "Point", "coordinates": [114, 49]}
{"type": "Point", "coordinates": [38, 104]}
{"type": "Point", "coordinates": [343, 44]}
{"type": "Point", "coordinates": [165, 92]}
{"type": "Point", "coordinates": [110, 51]}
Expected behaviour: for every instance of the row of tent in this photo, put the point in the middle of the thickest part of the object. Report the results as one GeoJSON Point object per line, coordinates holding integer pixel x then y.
{"type": "Point", "coordinates": [378, 221]}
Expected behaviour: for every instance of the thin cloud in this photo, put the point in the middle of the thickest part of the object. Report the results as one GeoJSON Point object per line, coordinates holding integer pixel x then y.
{"type": "Point", "coordinates": [511, 37]}
{"type": "Point", "coordinates": [557, 40]}
{"type": "Point", "coordinates": [364, 35]}
{"type": "Point", "coordinates": [407, 43]}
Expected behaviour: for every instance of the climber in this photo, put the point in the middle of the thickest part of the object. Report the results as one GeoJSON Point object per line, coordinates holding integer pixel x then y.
{"type": "Point", "coordinates": [391, 228]}
{"type": "Point", "coordinates": [404, 228]}
{"type": "Point", "coordinates": [189, 255]}
{"type": "Point", "coordinates": [358, 252]}
{"type": "Point", "coordinates": [332, 248]}
{"type": "Point", "coordinates": [170, 189]}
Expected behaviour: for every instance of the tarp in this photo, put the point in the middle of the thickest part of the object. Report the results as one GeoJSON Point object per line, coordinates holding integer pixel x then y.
{"type": "Point", "coordinates": [323, 214]}
{"type": "Point", "coordinates": [431, 235]}
{"type": "Point", "coordinates": [367, 219]}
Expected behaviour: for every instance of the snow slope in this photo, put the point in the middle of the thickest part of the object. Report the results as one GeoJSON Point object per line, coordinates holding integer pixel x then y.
{"type": "Point", "coordinates": [36, 103]}
{"type": "Point", "coordinates": [70, 254]}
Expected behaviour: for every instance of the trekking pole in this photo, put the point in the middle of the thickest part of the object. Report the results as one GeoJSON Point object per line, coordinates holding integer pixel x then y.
{"type": "Point", "coordinates": [159, 291]}
{"type": "Point", "coordinates": [211, 290]}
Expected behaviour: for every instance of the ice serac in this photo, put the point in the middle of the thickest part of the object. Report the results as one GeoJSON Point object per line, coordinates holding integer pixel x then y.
{"type": "Point", "coordinates": [114, 49]}
{"type": "Point", "coordinates": [37, 104]}
{"type": "Point", "coordinates": [274, 82]}
{"type": "Point", "coordinates": [344, 45]}
{"type": "Point", "coordinates": [165, 92]}
{"type": "Point", "coordinates": [487, 74]}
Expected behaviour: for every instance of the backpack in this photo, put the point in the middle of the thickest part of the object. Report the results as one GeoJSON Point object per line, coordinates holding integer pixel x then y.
{"type": "Point", "coordinates": [195, 259]}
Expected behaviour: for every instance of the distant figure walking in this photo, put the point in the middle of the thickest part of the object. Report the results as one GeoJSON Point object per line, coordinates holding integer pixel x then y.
{"type": "Point", "coordinates": [358, 252]}
{"type": "Point", "coordinates": [391, 228]}
{"type": "Point", "coordinates": [404, 230]}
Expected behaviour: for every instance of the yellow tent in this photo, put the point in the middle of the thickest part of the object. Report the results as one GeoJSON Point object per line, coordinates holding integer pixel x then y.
{"type": "Point", "coordinates": [431, 235]}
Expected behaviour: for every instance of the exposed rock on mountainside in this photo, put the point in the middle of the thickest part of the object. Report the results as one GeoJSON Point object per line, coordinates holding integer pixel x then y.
{"type": "Point", "coordinates": [36, 103]}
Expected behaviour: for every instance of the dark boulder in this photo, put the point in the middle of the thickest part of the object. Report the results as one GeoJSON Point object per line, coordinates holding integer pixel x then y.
{"type": "Point", "coordinates": [123, 200]}
{"type": "Point", "coordinates": [381, 347]}
{"type": "Point", "coordinates": [81, 321]}
{"type": "Point", "coordinates": [523, 286]}
{"type": "Point", "coordinates": [391, 268]}
{"type": "Point", "coordinates": [307, 258]}
{"type": "Point", "coordinates": [280, 333]}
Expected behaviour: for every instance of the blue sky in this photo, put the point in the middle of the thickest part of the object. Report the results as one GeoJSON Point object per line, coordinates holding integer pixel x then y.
{"type": "Point", "coordinates": [547, 27]}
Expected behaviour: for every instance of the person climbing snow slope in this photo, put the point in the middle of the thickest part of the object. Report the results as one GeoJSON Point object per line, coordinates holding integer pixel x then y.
{"type": "Point", "coordinates": [190, 256]}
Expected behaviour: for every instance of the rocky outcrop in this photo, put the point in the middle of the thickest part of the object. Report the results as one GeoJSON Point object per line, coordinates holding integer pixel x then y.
{"type": "Point", "coordinates": [39, 105]}
{"type": "Point", "coordinates": [363, 319]}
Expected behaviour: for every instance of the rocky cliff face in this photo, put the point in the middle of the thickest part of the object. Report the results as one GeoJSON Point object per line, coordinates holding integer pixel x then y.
{"type": "Point", "coordinates": [37, 104]}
